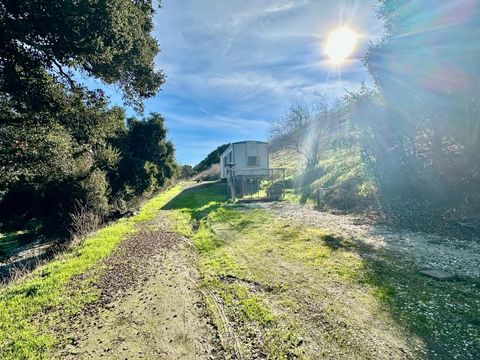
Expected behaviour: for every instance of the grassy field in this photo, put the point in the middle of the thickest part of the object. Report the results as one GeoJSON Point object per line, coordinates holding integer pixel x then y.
{"type": "Point", "coordinates": [31, 308]}
{"type": "Point", "coordinates": [272, 289]}
{"type": "Point", "coordinates": [294, 291]}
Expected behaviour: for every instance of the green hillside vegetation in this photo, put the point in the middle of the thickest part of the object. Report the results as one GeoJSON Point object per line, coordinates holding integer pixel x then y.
{"type": "Point", "coordinates": [287, 159]}
{"type": "Point", "coordinates": [211, 159]}
{"type": "Point", "coordinates": [359, 157]}
{"type": "Point", "coordinates": [402, 148]}
{"type": "Point", "coordinates": [321, 151]}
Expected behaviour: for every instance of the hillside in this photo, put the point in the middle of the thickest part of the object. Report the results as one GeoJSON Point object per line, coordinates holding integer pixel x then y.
{"type": "Point", "coordinates": [209, 174]}
{"type": "Point", "coordinates": [339, 172]}
{"type": "Point", "coordinates": [211, 159]}
{"type": "Point", "coordinates": [287, 159]}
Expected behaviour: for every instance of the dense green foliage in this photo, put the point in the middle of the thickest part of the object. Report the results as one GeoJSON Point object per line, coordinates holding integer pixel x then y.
{"type": "Point", "coordinates": [186, 171]}
{"type": "Point", "coordinates": [210, 159]}
{"type": "Point", "coordinates": [148, 162]}
{"type": "Point", "coordinates": [63, 149]}
{"type": "Point", "coordinates": [101, 178]}
{"type": "Point", "coordinates": [108, 39]}
{"type": "Point", "coordinates": [321, 149]}
{"type": "Point", "coordinates": [427, 126]}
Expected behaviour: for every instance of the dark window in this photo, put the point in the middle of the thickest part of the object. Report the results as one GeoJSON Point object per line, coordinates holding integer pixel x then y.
{"type": "Point", "coordinates": [253, 160]}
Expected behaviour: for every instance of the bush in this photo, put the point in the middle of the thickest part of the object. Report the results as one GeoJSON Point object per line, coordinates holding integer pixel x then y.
{"type": "Point", "coordinates": [210, 174]}
{"type": "Point", "coordinates": [62, 143]}
{"type": "Point", "coordinates": [17, 206]}
{"type": "Point", "coordinates": [95, 191]}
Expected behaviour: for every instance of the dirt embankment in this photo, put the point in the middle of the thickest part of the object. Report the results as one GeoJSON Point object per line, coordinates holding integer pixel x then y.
{"type": "Point", "coordinates": [149, 307]}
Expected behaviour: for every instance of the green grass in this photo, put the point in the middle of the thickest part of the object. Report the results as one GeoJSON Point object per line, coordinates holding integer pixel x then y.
{"type": "Point", "coordinates": [298, 198]}
{"type": "Point", "coordinates": [33, 306]}
{"type": "Point", "coordinates": [288, 159]}
{"type": "Point", "coordinates": [294, 281]}
{"type": "Point", "coordinates": [194, 204]}
{"type": "Point", "coordinates": [251, 314]}
{"type": "Point", "coordinates": [290, 291]}
{"type": "Point", "coordinates": [339, 166]}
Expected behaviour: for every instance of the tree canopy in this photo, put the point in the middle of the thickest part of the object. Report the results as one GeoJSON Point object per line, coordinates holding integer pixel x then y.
{"type": "Point", "coordinates": [62, 146]}
{"type": "Point", "coordinates": [427, 68]}
{"type": "Point", "coordinates": [43, 42]}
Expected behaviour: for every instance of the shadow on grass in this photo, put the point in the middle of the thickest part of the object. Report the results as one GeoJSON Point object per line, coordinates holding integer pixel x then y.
{"type": "Point", "coordinates": [334, 243]}
{"type": "Point", "coordinates": [444, 315]}
{"type": "Point", "coordinates": [305, 196]}
{"type": "Point", "coordinates": [199, 200]}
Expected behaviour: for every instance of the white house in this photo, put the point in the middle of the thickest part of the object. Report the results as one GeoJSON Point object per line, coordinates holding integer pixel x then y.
{"type": "Point", "coordinates": [245, 158]}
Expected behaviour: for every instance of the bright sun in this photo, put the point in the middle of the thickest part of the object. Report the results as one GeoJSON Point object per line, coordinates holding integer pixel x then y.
{"type": "Point", "coordinates": [340, 44]}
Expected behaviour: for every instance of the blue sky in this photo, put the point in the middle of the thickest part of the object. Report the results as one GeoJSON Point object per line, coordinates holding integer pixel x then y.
{"type": "Point", "coordinates": [234, 65]}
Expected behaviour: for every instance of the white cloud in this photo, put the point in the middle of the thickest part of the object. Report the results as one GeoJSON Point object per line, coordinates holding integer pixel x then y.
{"type": "Point", "coordinates": [225, 123]}
{"type": "Point", "coordinates": [234, 62]}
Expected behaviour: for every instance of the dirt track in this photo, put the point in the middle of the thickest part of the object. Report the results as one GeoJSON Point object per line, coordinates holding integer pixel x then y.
{"type": "Point", "coordinates": [150, 305]}
{"type": "Point", "coordinates": [270, 289]}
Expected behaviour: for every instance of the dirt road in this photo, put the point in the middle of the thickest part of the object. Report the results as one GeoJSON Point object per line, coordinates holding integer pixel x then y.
{"type": "Point", "coordinates": [150, 305]}
{"type": "Point", "coordinates": [276, 281]}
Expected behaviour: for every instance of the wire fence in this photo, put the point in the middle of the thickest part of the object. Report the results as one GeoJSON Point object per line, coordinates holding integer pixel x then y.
{"type": "Point", "coordinates": [256, 184]}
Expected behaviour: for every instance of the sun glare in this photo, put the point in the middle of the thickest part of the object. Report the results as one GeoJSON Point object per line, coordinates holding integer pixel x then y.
{"type": "Point", "coordinates": [340, 44]}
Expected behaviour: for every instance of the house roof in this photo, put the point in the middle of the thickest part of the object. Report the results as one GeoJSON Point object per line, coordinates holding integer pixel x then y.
{"type": "Point", "coordinates": [245, 141]}
{"type": "Point", "coordinates": [242, 142]}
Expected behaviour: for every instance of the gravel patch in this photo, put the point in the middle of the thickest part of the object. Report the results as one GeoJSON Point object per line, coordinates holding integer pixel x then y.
{"type": "Point", "coordinates": [457, 255]}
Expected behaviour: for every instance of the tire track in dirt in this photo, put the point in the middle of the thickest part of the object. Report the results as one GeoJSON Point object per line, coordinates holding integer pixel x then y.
{"type": "Point", "coordinates": [226, 332]}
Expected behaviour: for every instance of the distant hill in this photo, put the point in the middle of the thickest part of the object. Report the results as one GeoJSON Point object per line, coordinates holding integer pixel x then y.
{"type": "Point", "coordinates": [211, 174]}
{"type": "Point", "coordinates": [212, 158]}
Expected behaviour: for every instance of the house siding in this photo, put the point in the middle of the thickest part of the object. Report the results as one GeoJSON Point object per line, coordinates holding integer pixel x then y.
{"type": "Point", "coordinates": [240, 153]}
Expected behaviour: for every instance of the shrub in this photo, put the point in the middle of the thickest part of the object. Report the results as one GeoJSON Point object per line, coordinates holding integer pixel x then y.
{"type": "Point", "coordinates": [107, 157]}
{"type": "Point", "coordinates": [17, 206]}
{"type": "Point", "coordinates": [83, 221]}
{"type": "Point", "coordinates": [95, 191]}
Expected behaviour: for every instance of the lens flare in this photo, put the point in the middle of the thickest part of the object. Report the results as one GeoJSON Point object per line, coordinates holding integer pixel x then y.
{"type": "Point", "coordinates": [340, 44]}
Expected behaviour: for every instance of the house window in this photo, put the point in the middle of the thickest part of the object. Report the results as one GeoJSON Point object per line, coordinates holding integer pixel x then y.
{"type": "Point", "coordinates": [253, 160]}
